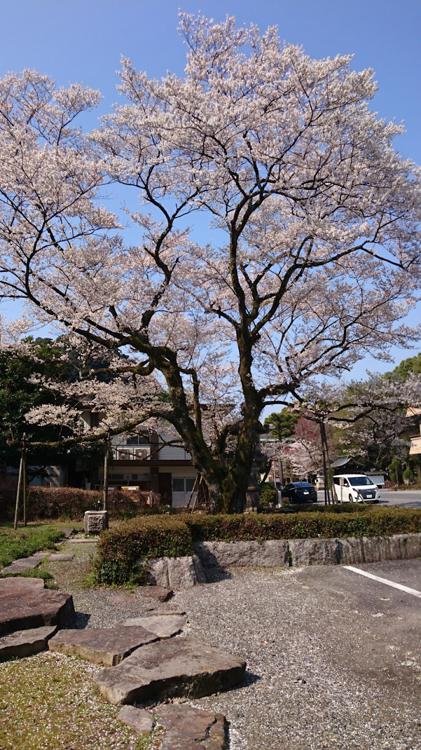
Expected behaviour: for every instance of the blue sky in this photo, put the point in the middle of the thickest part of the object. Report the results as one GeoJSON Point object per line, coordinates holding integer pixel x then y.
{"type": "Point", "coordinates": [82, 40]}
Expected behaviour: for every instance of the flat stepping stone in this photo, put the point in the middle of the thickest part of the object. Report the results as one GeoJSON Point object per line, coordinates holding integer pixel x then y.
{"type": "Point", "coordinates": [188, 728]}
{"type": "Point", "coordinates": [26, 642]}
{"type": "Point", "coordinates": [25, 603]}
{"type": "Point", "coordinates": [173, 667]}
{"type": "Point", "coordinates": [106, 646]}
{"type": "Point", "coordinates": [184, 727]}
{"type": "Point", "coordinates": [22, 564]}
{"type": "Point", "coordinates": [137, 718]}
{"type": "Point", "coordinates": [60, 557]}
{"type": "Point", "coordinates": [82, 540]}
{"type": "Point", "coordinates": [20, 586]}
{"type": "Point", "coordinates": [159, 593]}
{"type": "Point", "coordinates": [164, 626]}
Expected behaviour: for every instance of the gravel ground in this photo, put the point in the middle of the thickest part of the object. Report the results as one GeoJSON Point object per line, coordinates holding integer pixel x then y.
{"type": "Point", "coordinates": [303, 691]}
{"type": "Point", "coordinates": [100, 607]}
{"type": "Point", "coordinates": [315, 679]}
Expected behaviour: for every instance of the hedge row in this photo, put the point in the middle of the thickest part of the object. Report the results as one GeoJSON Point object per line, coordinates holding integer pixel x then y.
{"type": "Point", "coordinates": [69, 502]}
{"type": "Point", "coordinates": [122, 550]}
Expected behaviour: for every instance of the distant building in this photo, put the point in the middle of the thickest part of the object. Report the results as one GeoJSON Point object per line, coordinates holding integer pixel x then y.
{"type": "Point", "coordinates": [146, 463]}
{"type": "Point", "coordinates": [415, 447]}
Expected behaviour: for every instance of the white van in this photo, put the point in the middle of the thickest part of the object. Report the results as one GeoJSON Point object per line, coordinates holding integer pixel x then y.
{"type": "Point", "coordinates": [355, 488]}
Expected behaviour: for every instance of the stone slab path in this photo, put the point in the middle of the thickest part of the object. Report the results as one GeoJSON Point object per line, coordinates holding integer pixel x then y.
{"type": "Point", "coordinates": [26, 642]}
{"type": "Point", "coordinates": [106, 646]}
{"type": "Point", "coordinates": [137, 718]}
{"type": "Point", "coordinates": [159, 593]}
{"type": "Point", "coordinates": [174, 667]}
{"type": "Point", "coordinates": [23, 564]}
{"type": "Point", "coordinates": [24, 604]}
{"type": "Point", "coordinates": [188, 728]}
{"type": "Point", "coordinates": [60, 557]}
{"type": "Point", "coordinates": [164, 626]}
{"type": "Point", "coordinates": [183, 727]}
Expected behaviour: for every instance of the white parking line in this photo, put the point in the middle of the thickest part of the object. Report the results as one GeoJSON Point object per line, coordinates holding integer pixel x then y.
{"type": "Point", "coordinates": [386, 581]}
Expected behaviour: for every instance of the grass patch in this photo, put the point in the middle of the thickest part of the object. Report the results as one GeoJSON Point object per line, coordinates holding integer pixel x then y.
{"type": "Point", "coordinates": [50, 702]}
{"type": "Point", "coordinates": [26, 541]}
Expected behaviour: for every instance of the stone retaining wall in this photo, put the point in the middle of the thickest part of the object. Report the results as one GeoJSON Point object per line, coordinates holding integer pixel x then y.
{"type": "Point", "coordinates": [212, 560]}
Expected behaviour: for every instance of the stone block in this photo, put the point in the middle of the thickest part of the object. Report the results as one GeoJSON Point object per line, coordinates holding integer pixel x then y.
{"type": "Point", "coordinates": [24, 604]}
{"type": "Point", "coordinates": [165, 669]}
{"type": "Point", "coordinates": [405, 546]}
{"type": "Point", "coordinates": [26, 642]}
{"type": "Point", "coordinates": [106, 646]}
{"type": "Point", "coordinates": [350, 551]}
{"type": "Point", "coordinates": [176, 572]}
{"type": "Point", "coordinates": [158, 593]}
{"type": "Point", "coordinates": [181, 572]}
{"type": "Point", "coordinates": [314, 552]}
{"type": "Point", "coordinates": [157, 572]}
{"type": "Point", "coordinates": [95, 521]}
{"type": "Point", "coordinates": [187, 728]}
{"type": "Point", "coordinates": [137, 718]}
{"type": "Point", "coordinates": [224, 555]}
{"type": "Point", "coordinates": [164, 626]}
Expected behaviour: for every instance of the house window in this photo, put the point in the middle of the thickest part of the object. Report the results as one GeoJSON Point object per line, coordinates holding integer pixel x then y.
{"type": "Point", "coordinates": [189, 484]}
{"type": "Point", "coordinates": [137, 440]}
{"type": "Point", "coordinates": [182, 484]}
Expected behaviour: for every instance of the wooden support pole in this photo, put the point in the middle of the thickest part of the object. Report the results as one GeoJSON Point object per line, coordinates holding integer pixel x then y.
{"type": "Point", "coordinates": [105, 478]}
{"type": "Point", "coordinates": [24, 478]}
{"type": "Point", "coordinates": [18, 490]}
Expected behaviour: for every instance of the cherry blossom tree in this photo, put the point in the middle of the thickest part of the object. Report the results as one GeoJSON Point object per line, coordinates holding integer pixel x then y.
{"type": "Point", "coordinates": [373, 422]}
{"type": "Point", "coordinates": [310, 257]}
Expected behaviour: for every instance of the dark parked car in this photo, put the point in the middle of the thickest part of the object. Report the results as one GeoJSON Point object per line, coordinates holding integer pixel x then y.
{"type": "Point", "coordinates": [300, 492]}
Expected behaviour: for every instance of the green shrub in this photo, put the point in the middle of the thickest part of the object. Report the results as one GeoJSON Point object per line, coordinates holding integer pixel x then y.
{"type": "Point", "coordinates": [122, 549]}
{"type": "Point", "coordinates": [407, 475]}
{"type": "Point", "coordinates": [268, 495]}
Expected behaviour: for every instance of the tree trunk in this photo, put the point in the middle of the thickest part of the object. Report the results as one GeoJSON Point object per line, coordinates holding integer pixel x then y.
{"type": "Point", "coordinates": [325, 463]}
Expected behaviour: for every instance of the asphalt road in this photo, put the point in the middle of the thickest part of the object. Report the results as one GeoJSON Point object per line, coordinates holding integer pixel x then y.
{"type": "Point", "coordinates": [403, 498]}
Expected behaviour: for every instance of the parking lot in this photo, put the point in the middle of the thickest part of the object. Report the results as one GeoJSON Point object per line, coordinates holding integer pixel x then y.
{"type": "Point", "coordinates": [333, 656]}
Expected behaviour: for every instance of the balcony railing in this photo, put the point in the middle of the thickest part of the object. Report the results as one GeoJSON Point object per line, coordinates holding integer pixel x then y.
{"type": "Point", "coordinates": [131, 452]}
{"type": "Point", "coordinates": [415, 448]}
